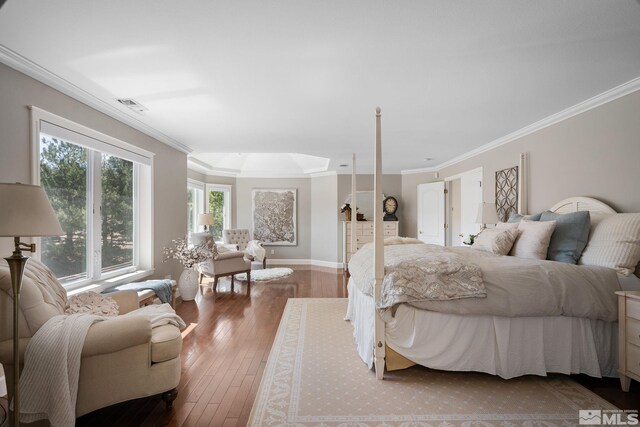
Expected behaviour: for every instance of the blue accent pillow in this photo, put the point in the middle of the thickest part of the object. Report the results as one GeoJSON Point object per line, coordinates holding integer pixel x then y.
{"type": "Point", "coordinates": [570, 236]}
{"type": "Point", "coordinates": [516, 217]}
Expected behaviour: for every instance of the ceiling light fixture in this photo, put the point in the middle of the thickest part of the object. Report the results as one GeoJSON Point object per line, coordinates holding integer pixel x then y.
{"type": "Point", "coordinates": [344, 165]}
{"type": "Point", "coordinates": [427, 159]}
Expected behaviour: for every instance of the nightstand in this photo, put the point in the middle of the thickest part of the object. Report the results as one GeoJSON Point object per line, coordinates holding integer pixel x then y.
{"type": "Point", "coordinates": [628, 337]}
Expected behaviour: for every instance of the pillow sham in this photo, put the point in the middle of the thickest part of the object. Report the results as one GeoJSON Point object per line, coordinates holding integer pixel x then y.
{"type": "Point", "coordinates": [507, 225]}
{"type": "Point", "coordinates": [516, 217]}
{"type": "Point", "coordinates": [533, 240]}
{"type": "Point", "coordinates": [496, 240]}
{"type": "Point", "coordinates": [615, 243]}
{"type": "Point", "coordinates": [570, 236]}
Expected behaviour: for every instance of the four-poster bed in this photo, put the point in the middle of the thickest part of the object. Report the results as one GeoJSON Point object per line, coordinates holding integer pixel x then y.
{"type": "Point", "coordinates": [493, 335]}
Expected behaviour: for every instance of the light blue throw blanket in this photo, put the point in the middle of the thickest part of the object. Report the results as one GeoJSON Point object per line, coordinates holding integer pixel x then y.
{"type": "Point", "coordinates": [162, 288]}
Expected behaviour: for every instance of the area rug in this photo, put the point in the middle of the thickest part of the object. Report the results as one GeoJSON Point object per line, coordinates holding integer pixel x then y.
{"type": "Point", "coordinates": [265, 274]}
{"type": "Point", "coordinates": [314, 377]}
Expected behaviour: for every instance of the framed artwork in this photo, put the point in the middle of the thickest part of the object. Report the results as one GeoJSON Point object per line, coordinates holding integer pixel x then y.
{"type": "Point", "coordinates": [274, 216]}
{"type": "Point", "coordinates": [506, 192]}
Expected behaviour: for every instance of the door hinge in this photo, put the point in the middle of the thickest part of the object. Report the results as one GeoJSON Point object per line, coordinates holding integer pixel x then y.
{"type": "Point", "coordinates": [446, 226]}
{"type": "Point", "coordinates": [480, 182]}
{"type": "Point", "coordinates": [446, 191]}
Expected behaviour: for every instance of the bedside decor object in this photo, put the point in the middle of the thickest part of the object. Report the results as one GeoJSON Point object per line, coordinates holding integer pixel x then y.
{"type": "Point", "coordinates": [346, 210]}
{"type": "Point", "coordinates": [506, 192]}
{"type": "Point", "coordinates": [390, 206]}
{"type": "Point", "coordinates": [205, 219]}
{"type": "Point", "coordinates": [274, 216]}
{"type": "Point", "coordinates": [486, 215]}
{"type": "Point", "coordinates": [189, 257]}
{"type": "Point", "coordinates": [26, 212]}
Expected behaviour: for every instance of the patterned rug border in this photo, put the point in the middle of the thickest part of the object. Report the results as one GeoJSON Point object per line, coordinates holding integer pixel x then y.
{"type": "Point", "coordinates": [288, 348]}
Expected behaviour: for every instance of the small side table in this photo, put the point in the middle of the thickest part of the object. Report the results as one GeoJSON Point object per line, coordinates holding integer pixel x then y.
{"type": "Point", "coordinates": [628, 337]}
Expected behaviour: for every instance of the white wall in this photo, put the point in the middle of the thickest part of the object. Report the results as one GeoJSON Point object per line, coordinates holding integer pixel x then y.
{"type": "Point", "coordinates": [325, 211]}
{"type": "Point", "coordinates": [595, 154]}
{"type": "Point", "coordinates": [18, 91]}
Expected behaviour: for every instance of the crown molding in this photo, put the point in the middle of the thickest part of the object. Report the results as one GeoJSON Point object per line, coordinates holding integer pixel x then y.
{"type": "Point", "coordinates": [582, 107]}
{"type": "Point", "coordinates": [31, 69]}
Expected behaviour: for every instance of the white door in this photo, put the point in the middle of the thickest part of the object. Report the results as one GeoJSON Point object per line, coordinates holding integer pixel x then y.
{"type": "Point", "coordinates": [431, 213]}
{"type": "Point", "coordinates": [470, 198]}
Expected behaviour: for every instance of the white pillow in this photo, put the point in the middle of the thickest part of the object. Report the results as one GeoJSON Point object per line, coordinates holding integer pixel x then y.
{"type": "Point", "coordinates": [507, 225]}
{"type": "Point", "coordinates": [615, 243]}
{"type": "Point", "coordinates": [533, 240]}
{"type": "Point", "coordinates": [496, 240]}
{"type": "Point", "coordinates": [92, 303]}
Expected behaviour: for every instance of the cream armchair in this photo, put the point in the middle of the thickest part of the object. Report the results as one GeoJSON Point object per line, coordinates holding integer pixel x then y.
{"type": "Point", "coordinates": [123, 358]}
{"type": "Point", "coordinates": [223, 263]}
{"type": "Point", "coordinates": [241, 237]}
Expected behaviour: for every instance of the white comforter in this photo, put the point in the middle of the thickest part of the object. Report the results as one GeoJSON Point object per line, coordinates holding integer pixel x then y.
{"type": "Point", "coordinates": [515, 287]}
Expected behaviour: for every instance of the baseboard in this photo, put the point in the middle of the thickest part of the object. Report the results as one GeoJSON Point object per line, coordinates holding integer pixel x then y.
{"type": "Point", "coordinates": [309, 262]}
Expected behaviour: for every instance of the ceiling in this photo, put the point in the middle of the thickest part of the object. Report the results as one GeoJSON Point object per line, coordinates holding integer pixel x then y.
{"type": "Point", "coordinates": [302, 76]}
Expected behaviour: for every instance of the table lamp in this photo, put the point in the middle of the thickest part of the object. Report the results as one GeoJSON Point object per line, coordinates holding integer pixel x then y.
{"type": "Point", "coordinates": [487, 214]}
{"type": "Point", "coordinates": [205, 219]}
{"type": "Point", "coordinates": [25, 211]}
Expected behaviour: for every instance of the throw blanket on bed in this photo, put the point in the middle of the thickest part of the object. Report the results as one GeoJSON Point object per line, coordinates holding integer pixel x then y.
{"type": "Point", "coordinates": [517, 287]}
{"type": "Point", "coordinates": [49, 380]}
{"type": "Point", "coordinates": [417, 272]}
{"type": "Point", "coordinates": [162, 288]}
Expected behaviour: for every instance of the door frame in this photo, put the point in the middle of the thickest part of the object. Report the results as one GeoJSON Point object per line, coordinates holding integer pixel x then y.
{"type": "Point", "coordinates": [447, 181]}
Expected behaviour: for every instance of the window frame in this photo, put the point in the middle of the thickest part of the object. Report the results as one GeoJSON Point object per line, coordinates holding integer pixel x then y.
{"type": "Point", "coordinates": [96, 143]}
{"type": "Point", "coordinates": [200, 204]}
{"type": "Point", "coordinates": [228, 193]}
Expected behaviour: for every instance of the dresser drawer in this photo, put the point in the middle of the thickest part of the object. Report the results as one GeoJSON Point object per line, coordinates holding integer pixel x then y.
{"type": "Point", "coordinates": [633, 308]}
{"type": "Point", "coordinates": [633, 331]}
{"type": "Point", "coordinates": [633, 359]}
{"type": "Point", "coordinates": [390, 225]}
{"type": "Point", "coordinates": [364, 239]}
{"type": "Point", "coordinates": [389, 232]}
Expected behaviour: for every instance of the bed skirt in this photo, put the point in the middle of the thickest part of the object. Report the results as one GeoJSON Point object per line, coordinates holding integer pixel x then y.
{"type": "Point", "coordinates": [503, 346]}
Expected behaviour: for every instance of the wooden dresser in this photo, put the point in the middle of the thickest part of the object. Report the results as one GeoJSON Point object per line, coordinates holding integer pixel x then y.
{"type": "Point", "coordinates": [628, 337]}
{"type": "Point", "coordinates": [364, 234]}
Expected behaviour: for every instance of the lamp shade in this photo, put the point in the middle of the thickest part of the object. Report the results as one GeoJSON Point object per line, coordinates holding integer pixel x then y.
{"type": "Point", "coordinates": [25, 211]}
{"type": "Point", "coordinates": [487, 214]}
{"type": "Point", "coordinates": [205, 219]}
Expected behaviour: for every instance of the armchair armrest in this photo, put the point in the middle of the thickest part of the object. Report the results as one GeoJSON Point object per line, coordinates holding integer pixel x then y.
{"type": "Point", "coordinates": [229, 255]}
{"type": "Point", "coordinates": [116, 334]}
{"type": "Point", "coordinates": [127, 300]}
{"type": "Point", "coordinates": [230, 246]}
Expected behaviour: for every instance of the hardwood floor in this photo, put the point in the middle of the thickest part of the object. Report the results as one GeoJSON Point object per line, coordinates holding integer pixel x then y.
{"type": "Point", "coordinates": [226, 346]}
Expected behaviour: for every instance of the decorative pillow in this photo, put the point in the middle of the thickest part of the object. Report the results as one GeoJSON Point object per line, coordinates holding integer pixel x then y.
{"type": "Point", "coordinates": [507, 225]}
{"type": "Point", "coordinates": [516, 217]}
{"type": "Point", "coordinates": [615, 243]}
{"type": "Point", "coordinates": [533, 240]}
{"type": "Point", "coordinates": [92, 303]}
{"type": "Point", "coordinates": [569, 237]}
{"type": "Point", "coordinates": [496, 240]}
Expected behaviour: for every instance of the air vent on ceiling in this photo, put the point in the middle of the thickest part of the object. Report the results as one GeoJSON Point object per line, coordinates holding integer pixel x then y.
{"type": "Point", "coordinates": [132, 104]}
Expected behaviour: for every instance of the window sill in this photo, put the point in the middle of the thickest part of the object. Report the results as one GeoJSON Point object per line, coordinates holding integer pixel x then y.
{"type": "Point", "coordinates": [111, 282]}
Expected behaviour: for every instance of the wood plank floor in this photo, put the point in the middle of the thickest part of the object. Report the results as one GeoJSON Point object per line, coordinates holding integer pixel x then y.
{"type": "Point", "coordinates": [226, 346]}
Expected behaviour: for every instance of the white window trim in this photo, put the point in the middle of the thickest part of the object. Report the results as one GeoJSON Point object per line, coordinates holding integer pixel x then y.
{"type": "Point", "coordinates": [197, 185]}
{"type": "Point", "coordinates": [143, 230]}
{"type": "Point", "coordinates": [228, 191]}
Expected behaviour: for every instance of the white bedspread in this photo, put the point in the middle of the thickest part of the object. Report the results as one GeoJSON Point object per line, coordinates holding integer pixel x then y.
{"type": "Point", "coordinates": [516, 287]}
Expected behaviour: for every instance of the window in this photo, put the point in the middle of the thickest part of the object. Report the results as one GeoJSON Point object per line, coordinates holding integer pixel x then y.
{"type": "Point", "coordinates": [195, 205]}
{"type": "Point", "coordinates": [219, 204]}
{"type": "Point", "coordinates": [99, 188]}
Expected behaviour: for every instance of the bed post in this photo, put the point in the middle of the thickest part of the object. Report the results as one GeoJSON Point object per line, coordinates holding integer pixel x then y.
{"type": "Point", "coordinates": [378, 252]}
{"type": "Point", "coordinates": [522, 185]}
{"type": "Point", "coordinates": [354, 214]}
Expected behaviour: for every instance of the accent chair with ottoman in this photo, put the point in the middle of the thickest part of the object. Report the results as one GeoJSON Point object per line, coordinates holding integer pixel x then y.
{"type": "Point", "coordinates": [226, 261]}
{"type": "Point", "coordinates": [241, 238]}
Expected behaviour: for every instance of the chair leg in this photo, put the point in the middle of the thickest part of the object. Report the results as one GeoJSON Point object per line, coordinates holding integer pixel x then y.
{"type": "Point", "coordinates": [215, 284]}
{"type": "Point", "coordinates": [201, 277]}
{"type": "Point", "coordinates": [264, 262]}
{"type": "Point", "coordinates": [232, 281]}
{"type": "Point", "coordinates": [249, 276]}
{"type": "Point", "coordinates": [169, 397]}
